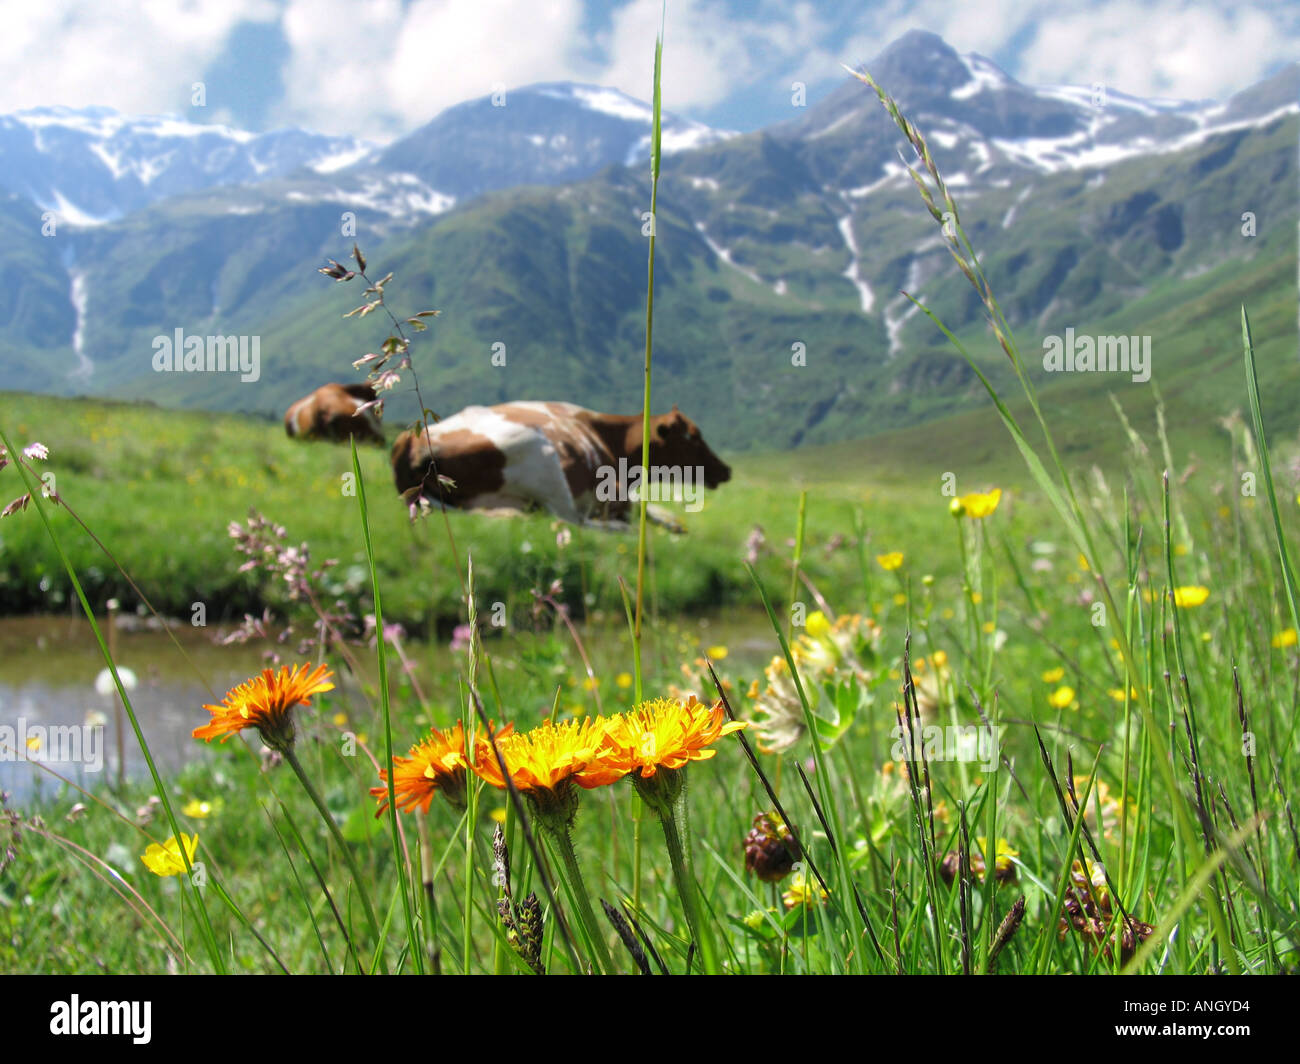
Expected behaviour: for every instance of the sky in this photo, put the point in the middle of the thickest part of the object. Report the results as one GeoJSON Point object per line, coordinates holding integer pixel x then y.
{"type": "Point", "coordinates": [380, 68]}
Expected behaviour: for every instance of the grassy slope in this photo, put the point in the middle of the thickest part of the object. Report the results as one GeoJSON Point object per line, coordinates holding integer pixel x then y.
{"type": "Point", "coordinates": [160, 488]}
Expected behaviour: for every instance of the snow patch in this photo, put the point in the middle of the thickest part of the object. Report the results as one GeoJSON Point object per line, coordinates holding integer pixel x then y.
{"type": "Point", "coordinates": [1010, 216]}
{"type": "Point", "coordinates": [77, 295]}
{"type": "Point", "coordinates": [852, 270]}
{"type": "Point", "coordinates": [339, 160]}
{"type": "Point", "coordinates": [71, 214]}
{"type": "Point", "coordinates": [724, 254]}
{"type": "Point", "coordinates": [826, 130]}
{"type": "Point", "coordinates": [983, 76]}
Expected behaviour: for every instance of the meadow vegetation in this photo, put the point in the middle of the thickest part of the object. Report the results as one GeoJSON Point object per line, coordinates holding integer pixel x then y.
{"type": "Point", "coordinates": [1127, 636]}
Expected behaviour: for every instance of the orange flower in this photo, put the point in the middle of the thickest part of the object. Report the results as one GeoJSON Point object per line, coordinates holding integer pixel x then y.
{"type": "Point", "coordinates": [547, 757]}
{"type": "Point", "coordinates": [264, 703]}
{"type": "Point", "coordinates": [436, 763]}
{"type": "Point", "coordinates": [665, 733]}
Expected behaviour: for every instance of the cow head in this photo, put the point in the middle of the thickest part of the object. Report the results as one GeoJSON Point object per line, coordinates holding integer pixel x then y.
{"type": "Point", "coordinates": [676, 441]}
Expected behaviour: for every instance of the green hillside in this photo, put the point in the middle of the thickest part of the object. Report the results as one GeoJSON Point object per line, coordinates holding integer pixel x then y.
{"type": "Point", "coordinates": [1149, 246]}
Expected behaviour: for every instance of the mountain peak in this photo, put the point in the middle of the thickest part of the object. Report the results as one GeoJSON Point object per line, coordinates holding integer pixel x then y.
{"type": "Point", "coordinates": [921, 58]}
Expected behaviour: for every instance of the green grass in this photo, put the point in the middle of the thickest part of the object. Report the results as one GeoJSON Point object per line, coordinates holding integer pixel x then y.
{"type": "Point", "coordinates": [1047, 626]}
{"type": "Point", "coordinates": [161, 487]}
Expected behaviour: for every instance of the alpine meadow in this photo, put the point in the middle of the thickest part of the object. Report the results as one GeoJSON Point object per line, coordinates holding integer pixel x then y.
{"type": "Point", "coordinates": [573, 537]}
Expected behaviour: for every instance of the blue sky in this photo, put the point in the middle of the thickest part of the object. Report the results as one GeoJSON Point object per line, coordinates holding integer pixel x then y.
{"type": "Point", "coordinates": [378, 68]}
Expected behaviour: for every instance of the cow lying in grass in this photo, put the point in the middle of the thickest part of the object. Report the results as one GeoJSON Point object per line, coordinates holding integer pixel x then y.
{"type": "Point", "coordinates": [583, 466]}
{"type": "Point", "coordinates": [330, 413]}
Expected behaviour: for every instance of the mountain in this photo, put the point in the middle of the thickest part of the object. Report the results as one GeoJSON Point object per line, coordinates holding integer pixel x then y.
{"type": "Point", "coordinates": [96, 165]}
{"type": "Point", "coordinates": [1090, 211]}
{"type": "Point", "coordinates": [546, 134]}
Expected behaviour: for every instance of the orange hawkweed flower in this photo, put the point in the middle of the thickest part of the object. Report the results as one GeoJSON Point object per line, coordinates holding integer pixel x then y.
{"type": "Point", "coordinates": [438, 762]}
{"type": "Point", "coordinates": [264, 703]}
{"type": "Point", "coordinates": [665, 733]}
{"type": "Point", "coordinates": [547, 757]}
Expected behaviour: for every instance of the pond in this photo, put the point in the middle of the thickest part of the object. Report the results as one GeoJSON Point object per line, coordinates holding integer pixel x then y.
{"type": "Point", "coordinates": [52, 706]}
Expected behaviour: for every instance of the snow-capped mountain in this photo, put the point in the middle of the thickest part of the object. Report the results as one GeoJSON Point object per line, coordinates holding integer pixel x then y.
{"type": "Point", "coordinates": [985, 127]}
{"type": "Point", "coordinates": [542, 134]}
{"type": "Point", "coordinates": [94, 165]}
{"type": "Point", "coordinates": [1083, 201]}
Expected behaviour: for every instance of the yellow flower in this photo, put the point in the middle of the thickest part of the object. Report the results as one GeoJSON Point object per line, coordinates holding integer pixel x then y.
{"type": "Point", "coordinates": [900, 599]}
{"type": "Point", "coordinates": [264, 703]}
{"type": "Point", "coordinates": [166, 860]}
{"type": "Point", "coordinates": [340, 720]}
{"type": "Point", "coordinates": [803, 893]}
{"type": "Point", "coordinates": [1083, 563]}
{"type": "Point", "coordinates": [1190, 596]}
{"type": "Point", "coordinates": [1002, 861]}
{"type": "Point", "coordinates": [498, 814]}
{"type": "Point", "coordinates": [34, 743]}
{"type": "Point", "coordinates": [891, 561]}
{"type": "Point", "coordinates": [980, 505]}
{"type": "Point", "coordinates": [1285, 638]}
{"type": "Point", "coordinates": [754, 920]}
{"type": "Point", "coordinates": [817, 625]}
{"type": "Point", "coordinates": [197, 810]}
{"type": "Point", "coordinates": [438, 762]}
{"type": "Point", "coordinates": [940, 659]}
{"type": "Point", "coordinates": [1054, 675]}
{"type": "Point", "coordinates": [976, 598]}
{"type": "Point", "coordinates": [1061, 698]}
{"type": "Point", "coordinates": [623, 680]}
{"type": "Point", "coordinates": [666, 733]}
{"type": "Point", "coordinates": [1117, 693]}
{"type": "Point", "coordinates": [590, 683]}
{"type": "Point", "coordinates": [548, 757]}
{"type": "Point", "coordinates": [717, 652]}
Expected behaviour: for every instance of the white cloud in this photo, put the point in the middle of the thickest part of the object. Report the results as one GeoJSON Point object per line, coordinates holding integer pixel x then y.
{"type": "Point", "coordinates": [1165, 49]}
{"type": "Point", "coordinates": [380, 67]}
{"type": "Point", "coordinates": [354, 61]}
{"type": "Point", "coordinates": [138, 58]}
{"type": "Point", "coordinates": [708, 52]}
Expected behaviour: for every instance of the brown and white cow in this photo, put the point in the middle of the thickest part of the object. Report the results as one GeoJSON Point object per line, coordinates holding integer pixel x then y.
{"type": "Point", "coordinates": [330, 413]}
{"type": "Point", "coordinates": [577, 463]}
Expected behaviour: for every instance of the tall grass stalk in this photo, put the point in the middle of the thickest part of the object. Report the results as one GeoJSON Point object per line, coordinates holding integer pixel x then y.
{"type": "Point", "coordinates": [642, 520]}
{"type": "Point", "coordinates": [381, 663]}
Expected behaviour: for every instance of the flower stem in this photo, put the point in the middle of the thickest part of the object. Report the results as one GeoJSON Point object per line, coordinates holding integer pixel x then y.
{"type": "Point", "coordinates": [563, 840]}
{"type": "Point", "coordinates": [677, 837]}
{"type": "Point", "coordinates": [291, 756]}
